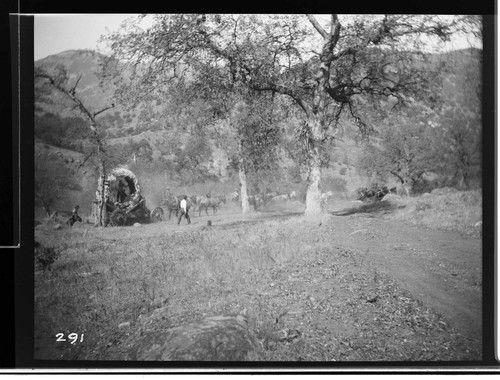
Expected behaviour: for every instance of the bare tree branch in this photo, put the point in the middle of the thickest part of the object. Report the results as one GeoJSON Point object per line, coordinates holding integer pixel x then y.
{"type": "Point", "coordinates": [284, 91]}
{"type": "Point", "coordinates": [335, 30]}
{"type": "Point", "coordinates": [104, 109]}
{"type": "Point", "coordinates": [86, 159]}
{"type": "Point", "coordinates": [73, 89]}
{"type": "Point", "coordinates": [318, 27]}
{"type": "Point", "coordinates": [94, 138]}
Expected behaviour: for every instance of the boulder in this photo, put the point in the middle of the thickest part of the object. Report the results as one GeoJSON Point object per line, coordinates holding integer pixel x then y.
{"type": "Point", "coordinates": [391, 198]}
{"type": "Point", "coordinates": [218, 338]}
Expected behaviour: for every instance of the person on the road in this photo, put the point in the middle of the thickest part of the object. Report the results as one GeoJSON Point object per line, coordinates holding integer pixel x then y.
{"type": "Point", "coordinates": [184, 210]}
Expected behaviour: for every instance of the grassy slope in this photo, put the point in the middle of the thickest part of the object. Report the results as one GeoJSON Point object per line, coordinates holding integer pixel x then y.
{"type": "Point", "coordinates": [83, 176]}
{"type": "Point", "coordinates": [447, 209]}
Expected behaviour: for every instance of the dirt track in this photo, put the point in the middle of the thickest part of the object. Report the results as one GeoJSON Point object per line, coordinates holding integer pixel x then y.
{"type": "Point", "coordinates": [441, 268]}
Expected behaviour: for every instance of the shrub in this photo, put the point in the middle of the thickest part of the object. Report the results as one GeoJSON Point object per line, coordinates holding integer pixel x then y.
{"type": "Point", "coordinates": [423, 186]}
{"type": "Point", "coordinates": [45, 256]}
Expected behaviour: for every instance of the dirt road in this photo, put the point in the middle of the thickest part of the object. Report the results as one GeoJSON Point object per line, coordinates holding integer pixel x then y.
{"type": "Point", "coordinates": [441, 268]}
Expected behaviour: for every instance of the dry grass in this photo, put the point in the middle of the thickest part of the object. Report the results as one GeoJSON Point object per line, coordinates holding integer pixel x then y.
{"type": "Point", "coordinates": [446, 209]}
{"type": "Point", "coordinates": [289, 274]}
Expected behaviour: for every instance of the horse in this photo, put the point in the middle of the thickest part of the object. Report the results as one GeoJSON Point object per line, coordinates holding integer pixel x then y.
{"type": "Point", "coordinates": [206, 202]}
{"type": "Point", "coordinates": [172, 204]}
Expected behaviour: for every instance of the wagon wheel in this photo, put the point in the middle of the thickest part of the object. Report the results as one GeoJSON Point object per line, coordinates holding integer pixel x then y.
{"type": "Point", "coordinates": [157, 214]}
{"type": "Point", "coordinates": [118, 218]}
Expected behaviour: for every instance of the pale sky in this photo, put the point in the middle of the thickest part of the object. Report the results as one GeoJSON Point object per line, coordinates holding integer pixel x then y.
{"type": "Point", "coordinates": [55, 33]}
{"type": "Point", "coordinates": [59, 32]}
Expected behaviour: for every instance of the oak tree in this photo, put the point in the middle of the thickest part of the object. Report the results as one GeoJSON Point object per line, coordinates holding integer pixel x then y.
{"type": "Point", "coordinates": [327, 66]}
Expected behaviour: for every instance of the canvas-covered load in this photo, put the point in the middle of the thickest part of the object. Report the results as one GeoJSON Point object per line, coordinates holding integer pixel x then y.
{"type": "Point", "coordinates": [112, 183]}
{"type": "Point", "coordinates": [122, 197]}
{"type": "Point", "coordinates": [125, 175]}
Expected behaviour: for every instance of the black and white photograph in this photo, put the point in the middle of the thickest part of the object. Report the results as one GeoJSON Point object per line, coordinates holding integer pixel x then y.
{"type": "Point", "coordinates": [258, 188]}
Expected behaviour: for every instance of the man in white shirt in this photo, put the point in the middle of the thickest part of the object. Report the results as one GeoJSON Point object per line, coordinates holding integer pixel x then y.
{"type": "Point", "coordinates": [184, 210]}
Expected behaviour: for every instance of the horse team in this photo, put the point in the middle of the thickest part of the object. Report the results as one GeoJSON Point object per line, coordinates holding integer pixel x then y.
{"type": "Point", "coordinates": [196, 202]}
{"type": "Point", "coordinates": [203, 203]}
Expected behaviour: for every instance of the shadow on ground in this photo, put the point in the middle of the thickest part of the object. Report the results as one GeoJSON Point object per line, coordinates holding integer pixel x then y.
{"type": "Point", "coordinates": [375, 208]}
{"type": "Point", "coordinates": [263, 217]}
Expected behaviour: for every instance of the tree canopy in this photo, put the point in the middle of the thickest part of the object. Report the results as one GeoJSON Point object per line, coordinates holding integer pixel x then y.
{"type": "Point", "coordinates": [328, 67]}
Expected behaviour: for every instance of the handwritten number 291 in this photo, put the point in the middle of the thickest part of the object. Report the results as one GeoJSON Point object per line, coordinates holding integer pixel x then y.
{"type": "Point", "coordinates": [72, 337]}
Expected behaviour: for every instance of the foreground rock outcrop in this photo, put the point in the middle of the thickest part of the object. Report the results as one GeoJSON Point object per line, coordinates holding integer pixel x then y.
{"type": "Point", "coordinates": [218, 338]}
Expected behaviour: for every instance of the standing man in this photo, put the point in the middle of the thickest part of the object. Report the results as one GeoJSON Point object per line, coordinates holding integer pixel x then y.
{"type": "Point", "coordinates": [184, 210]}
{"type": "Point", "coordinates": [120, 192]}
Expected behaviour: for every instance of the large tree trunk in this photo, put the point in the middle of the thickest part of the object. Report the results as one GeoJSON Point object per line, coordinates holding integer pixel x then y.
{"type": "Point", "coordinates": [245, 206]}
{"type": "Point", "coordinates": [102, 210]}
{"type": "Point", "coordinates": [313, 195]}
{"type": "Point", "coordinates": [317, 114]}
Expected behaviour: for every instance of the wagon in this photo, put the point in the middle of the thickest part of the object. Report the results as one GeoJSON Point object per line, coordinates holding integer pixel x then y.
{"type": "Point", "coordinates": [373, 194]}
{"type": "Point", "coordinates": [125, 205]}
{"type": "Point", "coordinates": [122, 214]}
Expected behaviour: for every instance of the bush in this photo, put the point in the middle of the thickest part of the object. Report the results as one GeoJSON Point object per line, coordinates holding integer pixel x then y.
{"type": "Point", "coordinates": [423, 186]}
{"type": "Point", "coordinates": [45, 256]}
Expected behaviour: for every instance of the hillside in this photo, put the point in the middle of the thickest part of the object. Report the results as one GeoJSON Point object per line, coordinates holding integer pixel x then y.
{"type": "Point", "coordinates": [165, 139]}
{"type": "Point", "coordinates": [76, 184]}
{"type": "Point", "coordinates": [97, 95]}
{"type": "Point", "coordinates": [76, 62]}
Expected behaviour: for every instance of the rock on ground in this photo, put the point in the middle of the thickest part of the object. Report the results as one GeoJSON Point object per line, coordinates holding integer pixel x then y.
{"type": "Point", "coordinates": [219, 338]}
{"type": "Point", "coordinates": [392, 198]}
